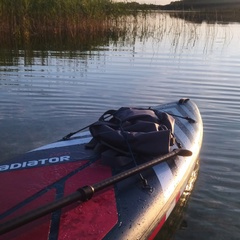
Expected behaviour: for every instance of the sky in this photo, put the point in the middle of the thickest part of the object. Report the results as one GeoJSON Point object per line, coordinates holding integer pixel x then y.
{"type": "Point", "coordinates": [158, 2]}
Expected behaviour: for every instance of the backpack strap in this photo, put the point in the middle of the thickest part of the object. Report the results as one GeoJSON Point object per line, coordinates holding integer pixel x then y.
{"type": "Point", "coordinates": [107, 114]}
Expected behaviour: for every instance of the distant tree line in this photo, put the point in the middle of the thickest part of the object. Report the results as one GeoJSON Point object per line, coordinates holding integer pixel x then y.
{"type": "Point", "coordinates": [181, 5]}
{"type": "Point", "coordinates": [200, 4]}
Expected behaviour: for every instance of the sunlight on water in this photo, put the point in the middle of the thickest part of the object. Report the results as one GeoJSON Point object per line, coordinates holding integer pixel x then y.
{"type": "Point", "coordinates": [47, 94]}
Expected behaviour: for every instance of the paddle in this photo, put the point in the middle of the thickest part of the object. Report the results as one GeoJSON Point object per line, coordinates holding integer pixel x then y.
{"type": "Point", "coordinates": [85, 193]}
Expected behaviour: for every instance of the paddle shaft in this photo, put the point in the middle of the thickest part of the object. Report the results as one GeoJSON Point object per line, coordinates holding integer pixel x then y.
{"type": "Point", "coordinates": [84, 193]}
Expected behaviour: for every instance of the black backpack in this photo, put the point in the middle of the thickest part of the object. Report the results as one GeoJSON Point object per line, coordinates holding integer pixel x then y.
{"type": "Point", "coordinates": [142, 132]}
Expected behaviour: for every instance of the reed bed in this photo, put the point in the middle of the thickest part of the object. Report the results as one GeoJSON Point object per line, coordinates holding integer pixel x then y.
{"type": "Point", "coordinates": [23, 19]}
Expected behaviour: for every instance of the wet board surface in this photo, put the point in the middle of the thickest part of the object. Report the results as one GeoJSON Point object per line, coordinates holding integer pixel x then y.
{"type": "Point", "coordinates": [126, 210]}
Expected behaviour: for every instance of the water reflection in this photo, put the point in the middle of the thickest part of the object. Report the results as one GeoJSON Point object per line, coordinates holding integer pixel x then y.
{"type": "Point", "coordinates": [158, 28]}
{"type": "Point", "coordinates": [55, 88]}
{"type": "Point", "coordinates": [177, 219]}
{"type": "Point", "coordinates": [44, 49]}
{"type": "Point", "coordinates": [212, 16]}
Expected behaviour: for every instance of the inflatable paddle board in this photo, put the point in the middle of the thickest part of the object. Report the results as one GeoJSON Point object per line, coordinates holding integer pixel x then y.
{"type": "Point", "coordinates": [63, 191]}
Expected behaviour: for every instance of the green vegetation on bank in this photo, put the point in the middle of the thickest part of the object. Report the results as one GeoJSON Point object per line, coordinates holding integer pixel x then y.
{"type": "Point", "coordinates": [28, 22]}
{"type": "Point", "coordinates": [210, 11]}
{"type": "Point", "coordinates": [23, 19]}
{"type": "Point", "coordinates": [210, 5]}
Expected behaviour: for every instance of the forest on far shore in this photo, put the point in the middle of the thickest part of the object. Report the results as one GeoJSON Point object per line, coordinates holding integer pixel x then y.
{"type": "Point", "coordinates": [203, 4]}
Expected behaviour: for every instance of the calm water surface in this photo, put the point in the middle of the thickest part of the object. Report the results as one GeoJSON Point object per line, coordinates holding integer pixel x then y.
{"type": "Point", "coordinates": [46, 94]}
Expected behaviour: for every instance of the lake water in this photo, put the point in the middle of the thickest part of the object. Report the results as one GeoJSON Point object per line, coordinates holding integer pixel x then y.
{"type": "Point", "coordinates": [45, 94]}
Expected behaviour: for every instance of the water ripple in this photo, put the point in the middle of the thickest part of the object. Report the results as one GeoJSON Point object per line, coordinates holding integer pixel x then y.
{"type": "Point", "coordinates": [59, 94]}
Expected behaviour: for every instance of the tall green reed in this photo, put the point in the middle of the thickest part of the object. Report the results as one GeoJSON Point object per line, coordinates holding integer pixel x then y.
{"type": "Point", "coordinates": [25, 18]}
